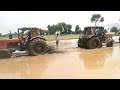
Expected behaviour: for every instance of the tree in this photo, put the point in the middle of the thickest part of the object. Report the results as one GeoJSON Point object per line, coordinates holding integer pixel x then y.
{"type": "Point", "coordinates": [45, 32]}
{"type": "Point", "coordinates": [64, 28]}
{"type": "Point", "coordinates": [97, 18]}
{"type": "Point", "coordinates": [69, 27]}
{"type": "Point", "coordinates": [60, 27]}
{"type": "Point", "coordinates": [114, 29]}
{"type": "Point", "coordinates": [0, 34]}
{"type": "Point", "coordinates": [77, 29]}
{"type": "Point", "coordinates": [50, 29]}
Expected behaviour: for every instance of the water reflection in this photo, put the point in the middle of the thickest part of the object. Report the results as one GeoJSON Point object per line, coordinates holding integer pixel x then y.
{"type": "Point", "coordinates": [26, 68]}
{"type": "Point", "coordinates": [94, 59]}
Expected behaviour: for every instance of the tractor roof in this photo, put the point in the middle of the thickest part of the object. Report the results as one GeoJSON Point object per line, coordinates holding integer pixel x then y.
{"type": "Point", "coordinates": [29, 28]}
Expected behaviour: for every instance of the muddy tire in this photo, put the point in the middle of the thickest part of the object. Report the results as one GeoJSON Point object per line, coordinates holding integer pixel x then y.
{"type": "Point", "coordinates": [5, 53]}
{"type": "Point", "coordinates": [81, 44]}
{"type": "Point", "coordinates": [100, 45]}
{"type": "Point", "coordinates": [109, 44]}
{"type": "Point", "coordinates": [37, 47]}
{"type": "Point", "coordinates": [93, 43]}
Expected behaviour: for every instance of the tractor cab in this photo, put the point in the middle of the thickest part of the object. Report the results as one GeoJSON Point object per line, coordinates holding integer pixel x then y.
{"type": "Point", "coordinates": [98, 30]}
{"type": "Point", "coordinates": [27, 33]}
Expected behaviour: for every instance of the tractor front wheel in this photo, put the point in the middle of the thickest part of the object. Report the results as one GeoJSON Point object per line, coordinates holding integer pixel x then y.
{"type": "Point", "coordinates": [109, 44]}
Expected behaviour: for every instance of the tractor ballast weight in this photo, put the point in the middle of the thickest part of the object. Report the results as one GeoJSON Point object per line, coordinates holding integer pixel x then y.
{"type": "Point", "coordinates": [93, 37]}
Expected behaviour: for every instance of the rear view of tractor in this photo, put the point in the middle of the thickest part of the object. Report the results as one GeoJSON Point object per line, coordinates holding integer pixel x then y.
{"type": "Point", "coordinates": [93, 37]}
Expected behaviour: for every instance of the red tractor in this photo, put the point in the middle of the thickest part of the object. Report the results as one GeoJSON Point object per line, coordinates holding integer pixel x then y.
{"type": "Point", "coordinates": [93, 37]}
{"type": "Point", "coordinates": [29, 39]}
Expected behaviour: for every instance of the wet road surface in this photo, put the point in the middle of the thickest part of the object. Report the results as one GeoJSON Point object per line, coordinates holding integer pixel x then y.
{"type": "Point", "coordinates": [74, 63]}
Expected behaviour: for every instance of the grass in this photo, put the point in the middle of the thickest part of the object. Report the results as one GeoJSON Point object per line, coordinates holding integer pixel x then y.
{"type": "Point", "coordinates": [63, 37]}
{"type": "Point", "coordinates": [51, 37]}
{"type": "Point", "coordinates": [6, 37]}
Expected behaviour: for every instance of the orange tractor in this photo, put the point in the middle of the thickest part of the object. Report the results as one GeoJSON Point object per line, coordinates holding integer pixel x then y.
{"type": "Point", "coordinates": [29, 39]}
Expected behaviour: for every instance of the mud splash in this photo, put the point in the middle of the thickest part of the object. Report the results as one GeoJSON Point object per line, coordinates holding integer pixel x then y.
{"type": "Point", "coordinates": [73, 63]}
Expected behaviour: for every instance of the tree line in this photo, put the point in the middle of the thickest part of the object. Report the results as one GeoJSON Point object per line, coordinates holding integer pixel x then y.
{"type": "Point", "coordinates": [62, 27]}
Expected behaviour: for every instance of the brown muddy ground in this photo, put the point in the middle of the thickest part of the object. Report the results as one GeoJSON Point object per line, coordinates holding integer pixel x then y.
{"type": "Point", "coordinates": [73, 63]}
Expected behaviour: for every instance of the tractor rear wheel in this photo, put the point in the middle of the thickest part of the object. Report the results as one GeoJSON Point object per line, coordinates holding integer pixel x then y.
{"type": "Point", "coordinates": [100, 45]}
{"type": "Point", "coordinates": [37, 46]}
{"type": "Point", "coordinates": [5, 53]}
{"type": "Point", "coordinates": [109, 44]}
{"type": "Point", "coordinates": [93, 43]}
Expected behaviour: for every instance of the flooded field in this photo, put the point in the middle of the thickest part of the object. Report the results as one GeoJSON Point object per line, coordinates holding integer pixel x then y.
{"type": "Point", "coordinates": [74, 63]}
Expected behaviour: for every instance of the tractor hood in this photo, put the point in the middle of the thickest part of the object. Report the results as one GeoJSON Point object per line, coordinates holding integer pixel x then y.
{"type": "Point", "coordinates": [10, 40]}
{"type": "Point", "coordinates": [3, 43]}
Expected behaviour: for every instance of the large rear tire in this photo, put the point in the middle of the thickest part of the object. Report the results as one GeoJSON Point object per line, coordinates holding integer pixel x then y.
{"type": "Point", "coordinates": [36, 47]}
{"type": "Point", "coordinates": [93, 43]}
{"type": "Point", "coordinates": [100, 45]}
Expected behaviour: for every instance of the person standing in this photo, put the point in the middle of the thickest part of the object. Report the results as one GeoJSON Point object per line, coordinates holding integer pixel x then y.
{"type": "Point", "coordinates": [57, 39]}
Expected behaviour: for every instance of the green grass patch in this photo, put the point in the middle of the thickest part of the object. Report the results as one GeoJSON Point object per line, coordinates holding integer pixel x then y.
{"type": "Point", "coordinates": [63, 37]}
{"type": "Point", "coordinates": [52, 37]}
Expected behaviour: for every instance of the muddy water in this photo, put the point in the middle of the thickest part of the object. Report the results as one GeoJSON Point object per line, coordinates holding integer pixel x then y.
{"type": "Point", "coordinates": [74, 63]}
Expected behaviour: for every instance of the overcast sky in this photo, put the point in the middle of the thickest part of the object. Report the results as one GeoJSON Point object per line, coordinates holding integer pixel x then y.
{"type": "Point", "coordinates": [11, 20]}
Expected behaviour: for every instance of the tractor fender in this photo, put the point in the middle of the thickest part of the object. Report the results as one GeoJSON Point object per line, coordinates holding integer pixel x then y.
{"type": "Point", "coordinates": [90, 36]}
{"type": "Point", "coordinates": [37, 37]}
{"type": "Point", "coordinates": [33, 39]}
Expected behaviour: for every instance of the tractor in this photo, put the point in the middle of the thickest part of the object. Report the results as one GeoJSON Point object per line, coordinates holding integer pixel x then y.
{"type": "Point", "coordinates": [29, 39]}
{"type": "Point", "coordinates": [93, 37]}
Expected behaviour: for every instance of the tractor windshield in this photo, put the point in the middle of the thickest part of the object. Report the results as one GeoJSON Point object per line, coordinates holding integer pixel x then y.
{"type": "Point", "coordinates": [89, 31]}
{"type": "Point", "coordinates": [23, 34]}
{"type": "Point", "coordinates": [100, 30]}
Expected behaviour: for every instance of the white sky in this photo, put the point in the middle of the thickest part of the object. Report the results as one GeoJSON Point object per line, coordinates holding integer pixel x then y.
{"type": "Point", "coordinates": [11, 20]}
